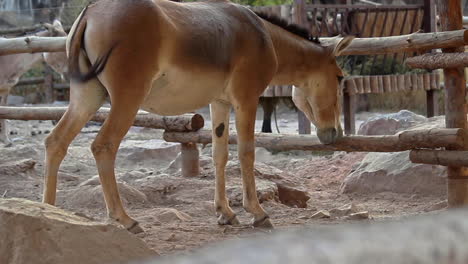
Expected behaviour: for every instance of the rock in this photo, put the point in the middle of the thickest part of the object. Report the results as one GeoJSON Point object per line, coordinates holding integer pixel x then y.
{"type": "Point", "coordinates": [394, 172]}
{"type": "Point", "coordinates": [150, 152]}
{"type": "Point", "coordinates": [437, 206]}
{"type": "Point", "coordinates": [16, 167]}
{"type": "Point", "coordinates": [15, 100]}
{"type": "Point", "coordinates": [169, 215]}
{"type": "Point", "coordinates": [389, 124]}
{"type": "Point", "coordinates": [89, 195]}
{"type": "Point", "coordinates": [321, 214]}
{"type": "Point", "coordinates": [131, 176]}
{"type": "Point", "coordinates": [39, 233]}
{"type": "Point", "coordinates": [344, 211]}
{"type": "Point", "coordinates": [266, 191]}
{"type": "Point", "coordinates": [358, 216]}
{"type": "Point", "coordinates": [289, 192]}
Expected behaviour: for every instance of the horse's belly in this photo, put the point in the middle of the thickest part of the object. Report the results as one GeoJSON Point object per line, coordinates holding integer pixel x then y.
{"type": "Point", "coordinates": [175, 94]}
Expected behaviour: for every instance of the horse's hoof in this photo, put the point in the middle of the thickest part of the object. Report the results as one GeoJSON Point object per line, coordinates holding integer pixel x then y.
{"type": "Point", "coordinates": [231, 221]}
{"type": "Point", "coordinates": [263, 223]}
{"type": "Point", "coordinates": [135, 228]}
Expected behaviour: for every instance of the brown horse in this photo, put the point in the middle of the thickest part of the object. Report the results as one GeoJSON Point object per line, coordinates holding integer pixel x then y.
{"type": "Point", "coordinates": [170, 58]}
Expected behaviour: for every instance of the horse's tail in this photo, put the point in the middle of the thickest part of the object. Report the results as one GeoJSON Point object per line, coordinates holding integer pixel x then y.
{"type": "Point", "coordinates": [75, 43]}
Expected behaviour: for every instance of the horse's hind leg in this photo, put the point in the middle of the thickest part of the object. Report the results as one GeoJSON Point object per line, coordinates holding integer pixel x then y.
{"type": "Point", "coordinates": [125, 105]}
{"type": "Point", "coordinates": [85, 100]}
{"type": "Point", "coordinates": [220, 128]}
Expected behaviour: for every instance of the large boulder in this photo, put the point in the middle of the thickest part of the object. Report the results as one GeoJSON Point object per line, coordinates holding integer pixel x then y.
{"type": "Point", "coordinates": [394, 172]}
{"type": "Point", "coordinates": [38, 233]}
{"type": "Point", "coordinates": [389, 124]}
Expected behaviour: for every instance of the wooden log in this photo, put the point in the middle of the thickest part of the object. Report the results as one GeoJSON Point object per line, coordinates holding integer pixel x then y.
{"type": "Point", "coordinates": [450, 14]}
{"type": "Point", "coordinates": [404, 43]}
{"type": "Point", "coordinates": [432, 61]}
{"type": "Point", "coordinates": [303, 123]}
{"type": "Point", "coordinates": [190, 159]}
{"type": "Point", "coordinates": [407, 140]}
{"type": "Point", "coordinates": [387, 84]}
{"type": "Point", "coordinates": [24, 30]}
{"type": "Point", "coordinates": [432, 103]}
{"type": "Point", "coordinates": [187, 122]}
{"type": "Point", "coordinates": [31, 45]}
{"type": "Point", "coordinates": [359, 46]}
{"type": "Point", "coordinates": [456, 158]}
{"type": "Point", "coordinates": [349, 111]}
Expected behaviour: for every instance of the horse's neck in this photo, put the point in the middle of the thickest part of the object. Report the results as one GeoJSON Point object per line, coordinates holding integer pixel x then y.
{"type": "Point", "coordinates": [296, 56]}
{"type": "Point", "coordinates": [15, 65]}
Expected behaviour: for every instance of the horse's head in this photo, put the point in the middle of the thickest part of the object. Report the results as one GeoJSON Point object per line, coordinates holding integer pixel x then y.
{"type": "Point", "coordinates": [56, 60]}
{"type": "Point", "coordinates": [319, 95]}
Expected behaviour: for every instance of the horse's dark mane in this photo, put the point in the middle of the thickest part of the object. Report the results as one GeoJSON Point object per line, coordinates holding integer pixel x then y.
{"type": "Point", "coordinates": [293, 28]}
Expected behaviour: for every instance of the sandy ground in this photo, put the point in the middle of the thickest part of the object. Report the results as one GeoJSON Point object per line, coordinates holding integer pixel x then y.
{"type": "Point", "coordinates": [153, 188]}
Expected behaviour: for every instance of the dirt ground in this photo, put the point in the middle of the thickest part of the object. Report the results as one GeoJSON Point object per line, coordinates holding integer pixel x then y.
{"type": "Point", "coordinates": [153, 187]}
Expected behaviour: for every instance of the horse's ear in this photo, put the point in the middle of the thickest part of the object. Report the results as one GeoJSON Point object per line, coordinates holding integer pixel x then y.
{"type": "Point", "coordinates": [341, 45]}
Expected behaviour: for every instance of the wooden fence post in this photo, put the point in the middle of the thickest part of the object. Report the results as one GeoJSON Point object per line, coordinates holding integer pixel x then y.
{"type": "Point", "coordinates": [349, 109]}
{"type": "Point", "coordinates": [455, 106]}
{"type": "Point", "coordinates": [190, 159]}
{"type": "Point", "coordinates": [432, 98]}
{"type": "Point", "coordinates": [48, 84]}
{"type": "Point", "coordinates": [299, 18]}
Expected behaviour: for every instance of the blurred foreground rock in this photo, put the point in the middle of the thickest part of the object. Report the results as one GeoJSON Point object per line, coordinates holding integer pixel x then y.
{"type": "Point", "coordinates": [38, 233]}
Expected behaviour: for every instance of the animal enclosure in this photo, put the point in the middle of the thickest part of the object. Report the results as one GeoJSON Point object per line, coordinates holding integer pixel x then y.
{"type": "Point", "coordinates": [434, 146]}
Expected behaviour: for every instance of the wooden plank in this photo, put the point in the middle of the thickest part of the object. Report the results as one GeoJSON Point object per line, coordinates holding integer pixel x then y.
{"type": "Point", "coordinates": [387, 85]}
{"type": "Point", "coordinates": [349, 110]}
{"type": "Point", "coordinates": [367, 84]}
{"type": "Point", "coordinates": [414, 82]}
{"type": "Point", "coordinates": [401, 84]}
{"type": "Point", "coordinates": [374, 81]}
{"type": "Point", "coordinates": [427, 81]}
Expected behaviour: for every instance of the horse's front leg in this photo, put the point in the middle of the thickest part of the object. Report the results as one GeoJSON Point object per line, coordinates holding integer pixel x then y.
{"type": "Point", "coordinates": [245, 125]}
{"type": "Point", "coordinates": [220, 128]}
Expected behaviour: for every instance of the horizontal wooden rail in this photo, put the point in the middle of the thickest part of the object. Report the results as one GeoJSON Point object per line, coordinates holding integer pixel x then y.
{"type": "Point", "coordinates": [182, 123]}
{"type": "Point", "coordinates": [457, 158]}
{"type": "Point", "coordinates": [359, 46]}
{"type": "Point", "coordinates": [432, 61]}
{"type": "Point", "coordinates": [407, 140]}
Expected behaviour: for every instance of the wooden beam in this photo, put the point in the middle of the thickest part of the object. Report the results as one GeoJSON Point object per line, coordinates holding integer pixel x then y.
{"type": "Point", "coordinates": [31, 45]}
{"type": "Point", "coordinates": [349, 111]}
{"type": "Point", "coordinates": [455, 158]}
{"type": "Point", "coordinates": [407, 140]}
{"type": "Point", "coordinates": [432, 61]}
{"type": "Point", "coordinates": [190, 159]}
{"type": "Point", "coordinates": [450, 14]}
{"type": "Point", "coordinates": [359, 46]}
{"type": "Point", "coordinates": [187, 122]}
{"type": "Point", "coordinates": [404, 43]}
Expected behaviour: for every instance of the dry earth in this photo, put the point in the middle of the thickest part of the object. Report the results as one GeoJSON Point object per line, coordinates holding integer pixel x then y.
{"type": "Point", "coordinates": [176, 212]}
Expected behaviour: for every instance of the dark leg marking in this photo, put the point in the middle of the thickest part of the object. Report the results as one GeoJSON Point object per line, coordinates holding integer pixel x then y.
{"type": "Point", "coordinates": [219, 130]}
